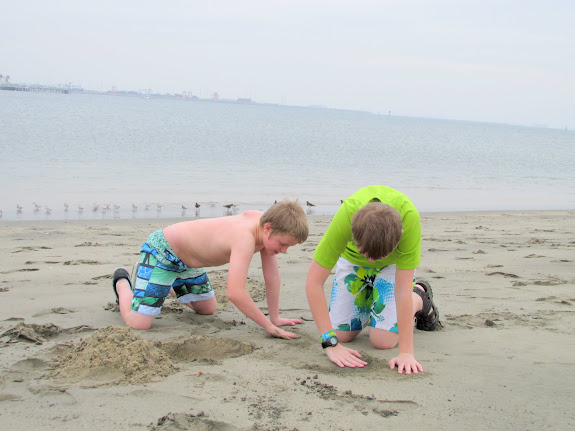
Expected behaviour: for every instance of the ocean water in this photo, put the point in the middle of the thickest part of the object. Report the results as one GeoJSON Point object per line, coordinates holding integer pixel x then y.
{"type": "Point", "coordinates": [121, 157]}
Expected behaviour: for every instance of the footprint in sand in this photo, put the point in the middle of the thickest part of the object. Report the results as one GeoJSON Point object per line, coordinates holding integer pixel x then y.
{"type": "Point", "coordinates": [504, 274]}
{"type": "Point", "coordinates": [186, 421]}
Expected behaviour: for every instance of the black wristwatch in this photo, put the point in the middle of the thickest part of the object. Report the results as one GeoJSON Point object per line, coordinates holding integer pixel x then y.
{"type": "Point", "coordinates": [330, 342]}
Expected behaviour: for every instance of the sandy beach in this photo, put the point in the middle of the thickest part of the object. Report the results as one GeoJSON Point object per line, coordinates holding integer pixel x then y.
{"type": "Point", "coordinates": [504, 360]}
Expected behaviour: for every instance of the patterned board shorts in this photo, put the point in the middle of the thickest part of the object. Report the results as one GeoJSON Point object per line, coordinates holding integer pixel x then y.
{"type": "Point", "coordinates": [363, 296]}
{"type": "Point", "coordinates": [160, 270]}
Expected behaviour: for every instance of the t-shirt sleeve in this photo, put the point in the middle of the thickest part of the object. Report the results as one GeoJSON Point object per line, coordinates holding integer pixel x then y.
{"type": "Point", "coordinates": [408, 251]}
{"type": "Point", "coordinates": [335, 238]}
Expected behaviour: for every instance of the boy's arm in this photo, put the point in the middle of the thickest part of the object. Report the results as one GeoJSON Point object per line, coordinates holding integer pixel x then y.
{"type": "Point", "coordinates": [240, 259]}
{"type": "Point", "coordinates": [273, 282]}
{"type": "Point", "coordinates": [339, 354]}
{"type": "Point", "coordinates": [404, 304]}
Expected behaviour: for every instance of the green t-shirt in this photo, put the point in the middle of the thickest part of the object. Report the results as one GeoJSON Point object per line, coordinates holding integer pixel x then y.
{"type": "Point", "coordinates": [338, 239]}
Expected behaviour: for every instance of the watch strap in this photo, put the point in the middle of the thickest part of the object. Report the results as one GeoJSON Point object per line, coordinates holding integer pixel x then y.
{"type": "Point", "coordinates": [327, 335]}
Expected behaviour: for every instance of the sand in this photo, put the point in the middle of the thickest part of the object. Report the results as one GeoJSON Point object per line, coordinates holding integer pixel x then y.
{"type": "Point", "coordinates": [504, 360]}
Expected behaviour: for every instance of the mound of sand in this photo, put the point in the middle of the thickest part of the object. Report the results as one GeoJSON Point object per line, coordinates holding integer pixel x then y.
{"type": "Point", "coordinates": [113, 356]}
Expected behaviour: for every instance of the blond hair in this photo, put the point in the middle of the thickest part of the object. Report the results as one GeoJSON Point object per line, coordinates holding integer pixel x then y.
{"type": "Point", "coordinates": [376, 230]}
{"type": "Point", "coordinates": [287, 218]}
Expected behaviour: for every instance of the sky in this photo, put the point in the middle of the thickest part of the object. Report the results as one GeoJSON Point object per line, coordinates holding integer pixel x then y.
{"type": "Point", "coordinates": [504, 61]}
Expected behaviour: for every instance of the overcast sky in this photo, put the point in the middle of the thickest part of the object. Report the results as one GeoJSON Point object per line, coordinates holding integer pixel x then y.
{"type": "Point", "coordinates": [508, 61]}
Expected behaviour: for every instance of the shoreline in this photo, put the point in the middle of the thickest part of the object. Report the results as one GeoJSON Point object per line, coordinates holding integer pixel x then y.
{"type": "Point", "coordinates": [503, 284]}
{"type": "Point", "coordinates": [176, 216]}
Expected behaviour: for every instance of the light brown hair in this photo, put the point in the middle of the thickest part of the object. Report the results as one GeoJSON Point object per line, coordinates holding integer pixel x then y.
{"type": "Point", "coordinates": [376, 230]}
{"type": "Point", "coordinates": [287, 218]}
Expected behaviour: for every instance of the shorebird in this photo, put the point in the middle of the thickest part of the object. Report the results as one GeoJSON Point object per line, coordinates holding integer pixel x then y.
{"type": "Point", "coordinates": [80, 209]}
{"type": "Point", "coordinates": [95, 207]}
{"type": "Point", "coordinates": [159, 207]}
{"type": "Point", "coordinates": [36, 206]}
{"type": "Point", "coordinates": [197, 205]}
{"type": "Point", "coordinates": [18, 208]}
{"type": "Point", "coordinates": [134, 207]}
{"type": "Point", "coordinates": [116, 208]}
{"type": "Point", "coordinates": [148, 206]}
{"type": "Point", "coordinates": [66, 206]}
{"type": "Point", "coordinates": [309, 204]}
{"type": "Point", "coordinates": [230, 208]}
{"type": "Point", "coordinates": [184, 207]}
{"type": "Point", "coordinates": [48, 210]}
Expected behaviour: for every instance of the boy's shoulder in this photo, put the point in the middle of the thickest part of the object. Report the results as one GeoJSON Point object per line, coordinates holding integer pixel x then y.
{"type": "Point", "coordinates": [251, 216]}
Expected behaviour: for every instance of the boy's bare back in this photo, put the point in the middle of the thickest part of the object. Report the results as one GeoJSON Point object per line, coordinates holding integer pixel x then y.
{"type": "Point", "coordinates": [209, 242]}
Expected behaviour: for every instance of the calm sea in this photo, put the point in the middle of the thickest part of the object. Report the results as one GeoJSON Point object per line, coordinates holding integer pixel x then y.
{"type": "Point", "coordinates": [104, 152]}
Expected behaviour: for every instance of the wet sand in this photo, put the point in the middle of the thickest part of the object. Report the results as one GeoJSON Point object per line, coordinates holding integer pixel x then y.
{"type": "Point", "coordinates": [503, 282]}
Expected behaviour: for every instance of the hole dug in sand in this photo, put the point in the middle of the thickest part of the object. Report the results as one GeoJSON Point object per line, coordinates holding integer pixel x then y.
{"type": "Point", "coordinates": [205, 348]}
{"type": "Point", "coordinates": [117, 356]}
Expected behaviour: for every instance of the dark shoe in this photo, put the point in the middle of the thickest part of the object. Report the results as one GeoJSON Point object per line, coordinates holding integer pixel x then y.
{"type": "Point", "coordinates": [428, 318]}
{"type": "Point", "coordinates": [120, 273]}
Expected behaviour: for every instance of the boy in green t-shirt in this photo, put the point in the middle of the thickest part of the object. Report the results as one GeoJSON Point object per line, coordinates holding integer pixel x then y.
{"type": "Point", "coordinates": [374, 243]}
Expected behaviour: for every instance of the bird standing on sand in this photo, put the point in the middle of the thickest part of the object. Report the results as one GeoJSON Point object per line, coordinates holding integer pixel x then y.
{"type": "Point", "coordinates": [231, 208]}
{"type": "Point", "coordinates": [18, 208]}
{"type": "Point", "coordinates": [197, 205]}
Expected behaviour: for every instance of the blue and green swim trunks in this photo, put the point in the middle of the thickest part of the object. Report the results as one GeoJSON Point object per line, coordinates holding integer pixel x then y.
{"type": "Point", "coordinates": [160, 270]}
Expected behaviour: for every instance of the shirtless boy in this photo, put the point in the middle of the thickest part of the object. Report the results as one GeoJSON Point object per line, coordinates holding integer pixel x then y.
{"type": "Point", "coordinates": [175, 257]}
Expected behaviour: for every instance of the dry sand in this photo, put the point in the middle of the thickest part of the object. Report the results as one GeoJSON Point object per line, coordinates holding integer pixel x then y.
{"type": "Point", "coordinates": [505, 359]}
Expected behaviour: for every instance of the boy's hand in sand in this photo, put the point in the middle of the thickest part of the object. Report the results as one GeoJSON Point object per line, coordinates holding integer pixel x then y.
{"type": "Point", "coordinates": [345, 357]}
{"type": "Point", "coordinates": [280, 321]}
{"type": "Point", "coordinates": [274, 331]}
{"type": "Point", "coordinates": [407, 362]}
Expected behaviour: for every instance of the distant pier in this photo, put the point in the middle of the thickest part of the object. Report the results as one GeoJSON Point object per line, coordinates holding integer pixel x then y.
{"type": "Point", "coordinates": [34, 88]}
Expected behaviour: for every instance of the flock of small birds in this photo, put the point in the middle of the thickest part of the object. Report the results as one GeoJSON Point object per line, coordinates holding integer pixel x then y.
{"type": "Point", "coordinates": [115, 208]}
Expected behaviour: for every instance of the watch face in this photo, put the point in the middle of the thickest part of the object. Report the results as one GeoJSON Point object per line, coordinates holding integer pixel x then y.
{"type": "Point", "coordinates": [330, 342]}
